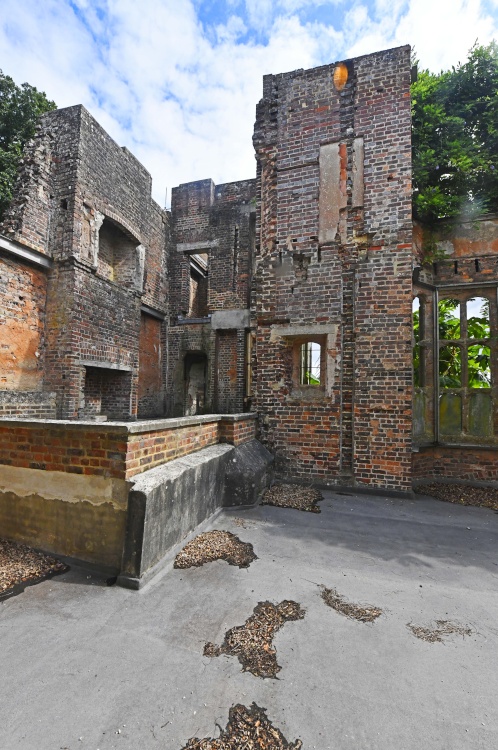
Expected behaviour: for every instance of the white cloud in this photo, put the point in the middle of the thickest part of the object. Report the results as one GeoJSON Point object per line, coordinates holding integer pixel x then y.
{"type": "Point", "coordinates": [441, 32]}
{"type": "Point", "coordinates": [182, 97]}
{"type": "Point", "coordinates": [260, 13]}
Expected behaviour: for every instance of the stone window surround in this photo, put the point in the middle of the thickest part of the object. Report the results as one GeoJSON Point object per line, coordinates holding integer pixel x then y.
{"type": "Point", "coordinates": [323, 334]}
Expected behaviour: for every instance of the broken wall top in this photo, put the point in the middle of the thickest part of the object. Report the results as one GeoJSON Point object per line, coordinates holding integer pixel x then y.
{"type": "Point", "coordinates": [306, 110]}
{"type": "Point", "coordinates": [73, 174]}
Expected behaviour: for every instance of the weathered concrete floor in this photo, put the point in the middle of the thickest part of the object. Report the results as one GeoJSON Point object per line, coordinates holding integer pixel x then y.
{"type": "Point", "coordinates": [81, 660]}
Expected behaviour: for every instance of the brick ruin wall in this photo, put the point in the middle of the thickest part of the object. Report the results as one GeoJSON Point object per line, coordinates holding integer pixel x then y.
{"type": "Point", "coordinates": [115, 451]}
{"type": "Point", "coordinates": [22, 319]}
{"type": "Point", "coordinates": [465, 264]}
{"type": "Point", "coordinates": [150, 375]}
{"type": "Point", "coordinates": [341, 275]}
{"type": "Point", "coordinates": [318, 247]}
{"type": "Point", "coordinates": [86, 203]}
{"type": "Point", "coordinates": [218, 222]}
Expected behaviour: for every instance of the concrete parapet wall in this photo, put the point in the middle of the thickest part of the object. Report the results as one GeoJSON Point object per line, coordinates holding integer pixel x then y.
{"type": "Point", "coordinates": [78, 516]}
{"type": "Point", "coordinates": [169, 502]}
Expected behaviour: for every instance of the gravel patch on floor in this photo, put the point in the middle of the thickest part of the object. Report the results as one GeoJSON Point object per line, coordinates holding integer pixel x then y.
{"type": "Point", "coordinates": [442, 629]}
{"type": "Point", "coordinates": [365, 613]}
{"type": "Point", "coordinates": [247, 729]}
{"type": "Point", "coordinates": [293, 496]}
{"type": "Point", "coordinates": [20, 566]}
{"type": "Point", "coordinates": [215, 545]}
{"type": "Point", "coordinates": [252, 642]}
{"type": "Point", "coordinates": [461, 494]}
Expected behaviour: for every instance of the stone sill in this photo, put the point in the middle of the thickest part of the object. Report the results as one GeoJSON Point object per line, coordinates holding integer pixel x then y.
{"type": "Point", "coordinates": [456, 446]}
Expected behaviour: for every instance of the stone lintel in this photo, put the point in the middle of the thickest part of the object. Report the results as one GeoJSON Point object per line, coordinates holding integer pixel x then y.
{"type": "Point", "coordinates": [230, 319]}
{"type": "Point", "coordinates": [104, 365]}
{"type": "Point", "coordinates": [308, 329]}
{"type": "Point", "coordinates": [196, 247]}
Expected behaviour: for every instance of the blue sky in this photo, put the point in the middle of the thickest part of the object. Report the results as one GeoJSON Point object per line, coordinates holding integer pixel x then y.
{"type": "Point", "coordinates": [177, 81]}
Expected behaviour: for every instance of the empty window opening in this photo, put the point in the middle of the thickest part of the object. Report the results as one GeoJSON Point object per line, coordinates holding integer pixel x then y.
{"type": "Point", "coordinates": [198, 292]}
{"type": "Point", "coordinates": [195, 383]}
{"type": "Point", "coordinates": [449, 319]}
{"type": "Point", "coordinates": [450, 366]}
{"type": "Point", "coordinates": [479, 366]}
{"type": "Point", "coordinates": [106, 394]}
{"type": "Point", "coordinates": [454, 376]}
{"type": "Point", "coordinates": [310, 363]}
{"type": "Point", "coordinates": [478, 318]}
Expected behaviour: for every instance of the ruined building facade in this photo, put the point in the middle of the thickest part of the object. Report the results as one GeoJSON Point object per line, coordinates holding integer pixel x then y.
{"type": "Point", "coordinates": [289, 295]}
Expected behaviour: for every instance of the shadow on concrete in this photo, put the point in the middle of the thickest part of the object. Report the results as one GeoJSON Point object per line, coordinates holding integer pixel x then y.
{"type": "Point", "coordinates": [411, 532]}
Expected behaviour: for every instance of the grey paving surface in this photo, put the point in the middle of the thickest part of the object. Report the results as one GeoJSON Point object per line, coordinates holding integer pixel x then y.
{"type": "Point", "coordinates": [85, 666]}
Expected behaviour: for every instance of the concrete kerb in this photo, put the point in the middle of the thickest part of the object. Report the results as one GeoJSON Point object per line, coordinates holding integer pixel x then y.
{"type": "Point", "coordinates": [354, 489]}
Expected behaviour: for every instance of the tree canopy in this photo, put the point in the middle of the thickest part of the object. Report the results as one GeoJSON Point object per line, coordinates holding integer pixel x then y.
{"type": "Point", "coordinates": [455, 138]}
{"type": "Point", "coordinates": [20, 107]}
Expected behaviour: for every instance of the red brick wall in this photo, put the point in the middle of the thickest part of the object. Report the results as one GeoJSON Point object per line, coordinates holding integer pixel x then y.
{"type": "Point", "coordinates": [221, 217]}
{"type": "Point", "coordinates": [23, 292]}
{"type": "Point", "coordinates": [81, 450]}
{"type": "Point", "coordinates": [357, 427]}
{"type": "Point", "coordinates": [73, 175]}
{"type": "Point", "coordinates": [238, 430]}
{"type": "Point", "coordinates": [147, 450]}
{"type": "Point", "coordinates": [472, 464]}
{"type": "Point", "coordinates": [113, 450]}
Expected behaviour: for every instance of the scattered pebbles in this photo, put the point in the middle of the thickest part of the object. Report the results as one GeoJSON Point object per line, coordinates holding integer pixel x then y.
{"type": "Point", "coordinates": [20, 565]}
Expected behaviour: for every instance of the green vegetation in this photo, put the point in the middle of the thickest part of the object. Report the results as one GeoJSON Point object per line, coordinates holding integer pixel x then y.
{"type": "Point", "coordinates": [20, 107]}
{"type": "Point", "coordinates": [455, 139]}
{"type": "Point", "coordinates": [450, 354]}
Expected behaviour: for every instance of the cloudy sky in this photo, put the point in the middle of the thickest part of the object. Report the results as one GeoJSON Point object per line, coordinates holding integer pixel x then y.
{"type": "Point", "coordinates": [177, 81]}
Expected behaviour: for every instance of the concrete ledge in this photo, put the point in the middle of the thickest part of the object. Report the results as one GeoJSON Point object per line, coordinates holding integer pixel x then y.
{"type": "Point", "coordinates": [167, 503]}
{"type": "Point", "coordinates": [166, 562]}
{"type": "Point", "coordinates": [25, 252]}
{"type": "Point", "coordinates": [248, 474]}
{"type": "Point", "coordinates": [349, 487]}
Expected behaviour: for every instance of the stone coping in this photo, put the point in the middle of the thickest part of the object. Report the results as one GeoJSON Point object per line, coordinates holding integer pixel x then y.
{"type": "Point", "coordinates": [130, 428]}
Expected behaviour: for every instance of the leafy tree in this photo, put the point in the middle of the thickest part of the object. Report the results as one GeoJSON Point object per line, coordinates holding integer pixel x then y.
{"type": "Point", "coordinates": [455, 138]}
{"type": "Point", "coordinates": [20, 107]}
{"type": "Point", "coordinates": [450, 353]}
